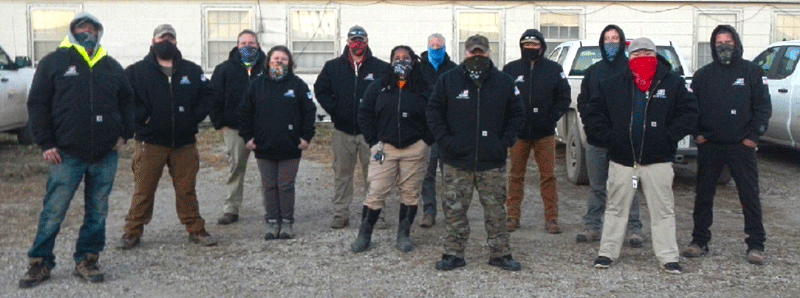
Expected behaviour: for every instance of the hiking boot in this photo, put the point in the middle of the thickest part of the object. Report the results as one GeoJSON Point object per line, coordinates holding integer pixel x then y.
{"type": "Point", "coordinates": [286, 230]}
{"type": "Point", "coordinates": [38, 271]}
{"type": "Point", "coordinates": [406, 217]}
{"type": "Point", "coordinates": [506, 263]}
{"type": "Point", "coordinates": [588, 235]}
{"type": "Point", "coordinates": [381, 224]}
{"type": "Point", "coordinates": [88, 269]}
{"type": "Point", "coordinates": [202, 238]}
{"type": "Point", "coordinates": [128, 241]}
{"type": "Point", "coordinates": [428, 220]}
{"type": "Point", "coordinates": [339, 222]}
{"type": "Point", "coordinates": [512, 224]}
{"type": "Point", "coordinates": [693, 250]}
{"type": "Point", "coordinates": [552, 226]}
{"type": "Point", "coordinates": [635, 239]}
{"type": "Point", "coordinates": [602, 262]}
{"type": "Point", "coordinates": [672, 268]}
{"type": "Point", "coordinates": [755, 256]}
{"type": "Point", "coordinates": [228, 218]}
{"type": "Point", "coordinates": [368, 219]}
{"type": "Point", "coordinates": [273, 229]}
{"type": "Point", "coordinates": [450, 262]}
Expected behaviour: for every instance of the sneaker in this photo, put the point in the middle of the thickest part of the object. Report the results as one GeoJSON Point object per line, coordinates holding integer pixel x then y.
{"type": "Point", "coordinates": [506, 263]}
{"type": "Point", "coordinates": [88, 269]}
{"type": "Point", "coordinates": [693, 250]}
{"type": "Point", "coordinates": [381, 224]}
{"type": "Point", "coordinates": [635, 239]}
{"type": "Point", "coordinates": [512, 224]}
{"type": "Point", "coordinates": [286, 231]}
{"type": "Point", "coordinates": [128, 241]}
{"type": "Point", "coordinates": [588, 235]}
{"type": "Point", "coordinates": [552, 226]}
{"type": "Point", "coordinates": [38, 271]}
{"type": "Point", "coordinates": [228, 218]}
{"type": "Point", "coordinates": [672, 268]}
{"type": "Point", "coordinates": [602, 262]}
{"type": "Point", "coordinates": [273, 230]}
{"type": "Point", "coordinates": [339, 222]}
{"type": "Point", "coordinates": [755, 256]}
{"type": "Point", "coordinates": [450, 262]}
{"type": "Point", "coordinates": [427, 221]}
{"type": "Point", "coordinates": [202, 238]}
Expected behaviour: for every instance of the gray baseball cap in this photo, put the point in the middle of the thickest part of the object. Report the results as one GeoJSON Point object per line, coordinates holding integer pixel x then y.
{"type": "Point", "coordinates": [641, 43]}
{"type": "Point", "coordinates": [164, 29]}
{"type": "Point", "coordinates": [356, 31]}
{"type": "Point", "coordinates": [477, 41]}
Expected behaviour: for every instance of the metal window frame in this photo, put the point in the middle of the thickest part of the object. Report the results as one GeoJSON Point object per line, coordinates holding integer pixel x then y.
{"type": "Point", "coordinates": [68, 6]}
{"type": "Point", "coordinates": [774, 22]}
{"type": "Point", "coordinates": [458, 55]}
{"type": "Point", "coordinates": [578, 10]}
{"type": "Point", "coordinates": [205, 9]}
{"type": "Point", "coordinates": [336, 35]}
{"type": "Point", "coordinates": [738, 12]}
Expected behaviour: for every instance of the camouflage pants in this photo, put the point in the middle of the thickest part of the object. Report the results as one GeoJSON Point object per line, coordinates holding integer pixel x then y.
{"type": "Point", "coordinates": [491, 187]}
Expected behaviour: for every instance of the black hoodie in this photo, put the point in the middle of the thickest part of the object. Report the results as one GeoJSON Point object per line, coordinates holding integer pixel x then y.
{"type": "Point", "coordinates": [670, 114]}
{"type": "Point", "coordinates": [733, 99]}
{"type": "Point", "coordinates": [598, 71]}
{"type": "Point", "coordinates": [229, 81]}
{"type": "Point", "coordinates": [543, 88]}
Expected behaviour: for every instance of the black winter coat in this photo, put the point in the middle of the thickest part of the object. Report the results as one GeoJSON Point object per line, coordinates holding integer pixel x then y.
{"type": "Point", "coordinates": [544, 90]}
{"type": "Point", "coordinates": [229, 81]}
{"type": "Point", "coordinates": [432, 74]}
{"type": "Point", "coordinates": [475, 126]}
{"type": "Point", "coordinates": [393, 115]}
{"type": "Point", "coordinates": [670, 115]}
{"type": "Point", "coordinates": [276, 114]}
{"type": "Point", "coordinates": [80, 110]}
{"type": "Point", "coordinates": [339, 88]}
{"type": "Point", "coordinates": [168, 109]}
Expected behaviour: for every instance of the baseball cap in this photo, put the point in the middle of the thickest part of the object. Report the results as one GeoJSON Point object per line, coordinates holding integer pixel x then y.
{"type": "Point", "coordinates": [356, 31]}
{"type": "Point", "coordinates": [641, 43]}
{"type": "Point", "coordinates": [164, 29]}
{"type": "Point", "coordinates": [477, 41]}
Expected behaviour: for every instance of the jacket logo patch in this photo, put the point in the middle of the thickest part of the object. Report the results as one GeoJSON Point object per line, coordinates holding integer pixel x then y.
{"type": "Point", "coordinates": [733, 112]}
{"type": "Point", "coordinates": [660, 93]}
{"type": "Point", "coordinates": [99, 118]}
{"type": "Point", "coordinates": [71, 71]}
{"type": "Point", "coordinates": [185, 80]}
{"type": "Point", "coordinates": [289, 93]}
{"type": "Point", "coordinates": [485, 133]}
{"type": "Point", "coordinates": [516, 90]}
{"type": "Point", "coordinates": [535, 110]}
{"type": "Point", "coordinates": [181, 109]}
{"type": "Point", "coordinates": [520, 79]}
{"type": "Point", "coordinates": [463, 95]}
{"type": "Point", "coordinates": [203, 78]}
{"type": "Point", "coordinates": [405, 114]}
{"type": "Point", "coordinates": [739, 82]}
{"type": "Point", "coordinates": [653, 124]}
{"type": "Point", "coordinates": [291, 127]}
{"type": "Point", "coordinates": [369, 77]}
{"type": "Point", "coordinates": [764, 80]}
{"type": "Point", "coordinates": [563, 76]}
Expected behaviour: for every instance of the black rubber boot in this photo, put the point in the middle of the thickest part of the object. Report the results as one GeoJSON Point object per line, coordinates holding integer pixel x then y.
{"type": "Point", "coordinates": [407, 214]}
{"type": "Point", "coordinates": [368, 219]}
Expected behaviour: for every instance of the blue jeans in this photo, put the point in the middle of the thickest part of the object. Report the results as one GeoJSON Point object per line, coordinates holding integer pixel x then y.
{"type": "Point", "coordinates": [62, 183]}
{"type": "Point", "coordinates": [429, 184]}
{"type": "Point", "coordinates": [597, 168]}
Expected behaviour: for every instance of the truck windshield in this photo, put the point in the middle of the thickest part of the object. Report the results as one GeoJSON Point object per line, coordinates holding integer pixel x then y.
{"type": "Point", "coordinates": [590, 54]}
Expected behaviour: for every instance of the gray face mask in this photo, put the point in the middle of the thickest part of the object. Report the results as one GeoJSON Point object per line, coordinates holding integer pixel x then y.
{"type": "Point", "coordinates": [477, 68]}
{"type": "Point", "coordinates": [725, 53]}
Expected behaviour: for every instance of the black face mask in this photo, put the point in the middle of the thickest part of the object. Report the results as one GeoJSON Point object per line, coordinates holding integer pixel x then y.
{"type": "Point", "coordinates": [725, 53]}
{"type": "Point", "coordinates": [165, 49]}
{"type": "Point", "coordinates": [477, 67]}
{"type": "Point", "coordinates": [531, 54]}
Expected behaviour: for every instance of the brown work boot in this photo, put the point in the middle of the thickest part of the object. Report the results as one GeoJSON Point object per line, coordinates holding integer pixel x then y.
{"type": "Point", "coordinates": [693, 250]}
{"type": "Point", "coordinates": [228, 218]}
{"type": "Point", "coordinates": [38, 271]}
{"type": "Point", "coordinates": [755, 256]}
{"type": "Point", "coordinates": [512, 224]}
{"type": "Point", "coordinates": [339, 222]}
{"type": "Point", "coordinates": [88, 269]}
{"type": "Point", "coordinates": [128, 241]}
{"type": "Point", "coordinates": [427, 221]}
{"type": "Point", "coordinates": [552, 226]}
{"type": "Point", "coordinates": [202, 238]}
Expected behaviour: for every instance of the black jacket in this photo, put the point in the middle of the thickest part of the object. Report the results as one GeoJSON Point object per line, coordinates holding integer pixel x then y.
{"type": "Point", "coordinates": [474, 126]}
{"type": "Point", "coordinates": [670, 115]}
{"type": "Point", "coordinates": [594, 74]}
{"type": "Point", "coordinates": [394, 115]}
{"type": "Point", "coordinates": [339, 88]}
{"type": "Point", "coordinates": [80, 110]}
{"type": "Point", "coordinates": [168, 109]}
{"type": "Point", "coordinates": [432, 74]}
{"type": "Point", "coordinates": [229, 81]}
{"type": "Point", "coordinates": [734, 99]}
{"type": "Point", "coordinates": [277, 114]}
{"type": "Point", "coordinates": [544, 90]}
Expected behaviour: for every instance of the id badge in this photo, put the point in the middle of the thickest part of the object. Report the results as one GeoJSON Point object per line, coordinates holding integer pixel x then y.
{"type": "Point", "coordinates": [635, 182]}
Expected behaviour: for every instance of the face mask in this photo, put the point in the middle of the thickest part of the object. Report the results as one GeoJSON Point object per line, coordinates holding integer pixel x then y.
{"type": "Point", "coordinates": [436, 57]}
{"type": "Point", "coordinates": [358, 48]}
{"type": "Point", "coordinates": [87, 40]}
{"type": "Point", "coordinates": [643, 68]}
{"type": "Point", "coordinates": [277, 70]}
{"type": "Point", "coordinates": [249, 54]}
{"type": "Point", "coordinates": [402, 68]}
{"type": "Point", "coordinates": [725, 53]}
{"type": "Point", "coordinates": [165, 49]}
{"type": "Point", "coordinates": [531, 54]}
{"type": "Point", "coordinates": [611, 49]}
{"type": "Point", "coordinates": [477, 67]}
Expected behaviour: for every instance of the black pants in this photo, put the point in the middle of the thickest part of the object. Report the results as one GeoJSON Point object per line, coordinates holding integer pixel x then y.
{"type": "Point", "coordinates": [741, 161]}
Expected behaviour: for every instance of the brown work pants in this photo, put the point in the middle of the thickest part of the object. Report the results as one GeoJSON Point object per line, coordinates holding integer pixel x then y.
{"type": "Point", "coordinates": [544, 153]}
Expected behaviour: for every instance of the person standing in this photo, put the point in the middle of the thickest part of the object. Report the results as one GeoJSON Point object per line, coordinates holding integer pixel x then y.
{"type": "Point", "coordinates": [434, 63]}
{"type": "Point", "coordinates": [230, 79]}
{"type": "Point", "coordinates": [392, 119]}
{"type": "Point", "coordinates": [612, 50]}
{"type": "Point", "coordinates": [277, 120]}
{"type": "Point", "coordinates": [81, 112]}
{"type": "Point", "coordinates": [339, 89]}
{"type": "Point", "coordinates": [734, 112]}
{"type": "Point", "coordinates": [475, 116]}
{"type": "Point", "coordinates": [642, 114]}
{"type": "Point", "coordinates": [171, 96]}
{"type": "Point", "coordinates": [543, 88]}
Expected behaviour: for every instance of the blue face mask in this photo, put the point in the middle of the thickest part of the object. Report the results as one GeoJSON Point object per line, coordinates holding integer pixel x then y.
{"type": "Point", "coordinates": [436, 57]}
{"type": "Point", "coordinates": [249, 54]}
{"type": "Point", "coordinates": [611, 49]}
{"type": "Point", "coordinates": [87, 40]}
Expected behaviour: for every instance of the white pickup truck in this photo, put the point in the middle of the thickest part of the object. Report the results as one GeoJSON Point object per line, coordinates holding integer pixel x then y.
{"type": "Point", "coordinates": [779, 62]}
{"type": "Point", "coordinates": [15, 80]}
{"type": "Point", "coordinates": [575, 57]}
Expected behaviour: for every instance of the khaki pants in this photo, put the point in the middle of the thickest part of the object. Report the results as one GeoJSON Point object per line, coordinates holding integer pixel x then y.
{"type": "Point", "coordinates": [237, 164]}
{"type": "Point", "coordinates": [656, 183]}
{"type": "Point", "coordinates": [347, 149]}
{"type": "Point", "coordinates": [404, 167]}
{"type": "Point", "coordinates": [148, 165]}
{"type": "Point", "coordinates": [544, 153]}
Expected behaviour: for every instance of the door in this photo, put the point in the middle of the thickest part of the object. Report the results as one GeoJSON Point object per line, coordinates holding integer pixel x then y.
{"type": "Point", "coordinates": [770, 61]}
{"type": "Point", "coordinates": [791, 89]}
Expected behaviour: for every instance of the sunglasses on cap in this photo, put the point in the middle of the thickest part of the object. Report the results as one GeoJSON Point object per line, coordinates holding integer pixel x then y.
{"type": "Point", "coordinates": [531, 39]}
{"type": "Point", "coordinates": [356, 32]}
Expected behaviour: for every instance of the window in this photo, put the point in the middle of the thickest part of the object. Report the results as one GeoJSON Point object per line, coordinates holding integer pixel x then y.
{"type": "Point", "coordinates": [766, 60]}
{"type": "Point", "coordinates": [222, 29]}
{"type": "Point", "coordinates": [313, 38]}
{"type": "Point", "coordinates": [788, 63]}
{"type": "Point", "coordinates": [483, 23]}
{"type": "Point", "coordinates": [559, 27]}
{"type": "Point", "coordinates": [705, 25]}
{"type": "Point", "coordinates": [787, 27]}
{"type": "Point", "coordinates": [48, 26]}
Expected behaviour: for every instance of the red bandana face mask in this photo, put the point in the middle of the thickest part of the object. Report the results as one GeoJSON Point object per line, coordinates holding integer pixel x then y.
{"type": "Point", "coordinates": [643, 68]}
{"type": "Point", "coordinates": [358, 48]}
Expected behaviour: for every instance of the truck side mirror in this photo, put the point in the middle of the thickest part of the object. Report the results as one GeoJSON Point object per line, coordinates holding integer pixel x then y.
{"type": "Point", "coordinates": [22, 61]}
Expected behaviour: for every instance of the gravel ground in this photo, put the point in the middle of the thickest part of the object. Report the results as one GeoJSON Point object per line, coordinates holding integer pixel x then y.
{"type": "Point", "coordinates": [318, 263]}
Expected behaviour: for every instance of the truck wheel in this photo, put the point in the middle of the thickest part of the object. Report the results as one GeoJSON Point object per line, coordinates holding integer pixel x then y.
{"type": "Point", "coordinates": [575, 156]}
{"type": "Point", "coordinates": [724, 176]}
{"type": "Point", "coordinates": [24, 135]}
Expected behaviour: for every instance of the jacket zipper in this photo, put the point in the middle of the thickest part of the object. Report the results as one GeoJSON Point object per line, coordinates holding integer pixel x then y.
{"type": "Point", "coordinates": [477, 129]}
{"type": "Point", "coordinates": [172, 111]}
{"type": "Point", "coordinates": [399, 117]}
{"type": "Point", "coordinates": [355, 97]}
{"type": "Point", "coordinates": [530, 98]}
{"type": "Point", "coordinates": [649, 96]}
{"type": "Point", "coordinates": [91, 108]}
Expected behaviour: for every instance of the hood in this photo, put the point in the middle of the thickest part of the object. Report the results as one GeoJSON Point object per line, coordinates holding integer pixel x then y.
{"type": "Point", "coordinates": [737, 48]}
{"type": "Point", "coordinates": [663, 67]}
{"type": "Point", "coordinates": [621, 52]}
{"type": "Point", "coordinates": [538, 35]}
{"type": "Point", "coordinates": [80, 16]}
